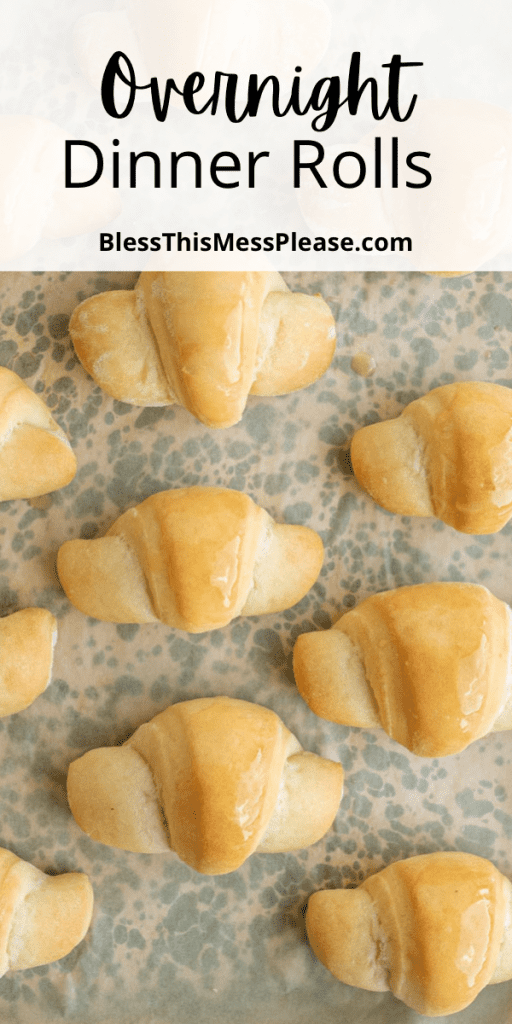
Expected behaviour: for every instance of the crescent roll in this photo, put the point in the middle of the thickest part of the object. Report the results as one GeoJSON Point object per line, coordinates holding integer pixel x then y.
{"type": "Point", "coordinates": [213, 779]}
{"type": "Point", "coordinates": [448, 455]}
{"type": "Point", "coordinates": [430, 664]}
{"type": "Point", "coordinates": [193, 558]}
{"type": "Point", "coordinates": [203, 341]}
{"type": "Point", "coordinates": [35, 454]}
{"type": "Point", "coordinates": [27, 640]}
{"type": "Point", "coordinates": [434, 929]}
{"type": "Point", "coordinates": [42, 917]}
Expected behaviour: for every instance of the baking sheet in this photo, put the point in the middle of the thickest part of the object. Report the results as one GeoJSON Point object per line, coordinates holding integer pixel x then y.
{"type": "Point", "coordinates": [166, 944]}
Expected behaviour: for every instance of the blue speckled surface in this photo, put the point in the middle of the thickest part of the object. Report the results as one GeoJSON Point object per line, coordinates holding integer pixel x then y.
{"type": "Point", "coordinates": [168, 946]}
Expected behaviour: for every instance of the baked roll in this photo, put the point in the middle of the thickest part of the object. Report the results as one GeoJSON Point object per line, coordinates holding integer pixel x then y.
{"type": "Point", "coordinates": [203, 341]}
{"type": "Point", "coordinates": [447, 455]}
{"type": "Point", "coordinates": [429, 664]}
{"type": "Point", "coordinates": [192, 558]}
{"type": "Point", "coordinates": [27, 640]}
{"type": "Point", "coordinates": [35, 454]}
{"type": "Point", "coordinates": [42, 917]}
{"type": "Point", "coordinates": [434, 929]}
{"type": "Point", "coordinates": [213, 779]}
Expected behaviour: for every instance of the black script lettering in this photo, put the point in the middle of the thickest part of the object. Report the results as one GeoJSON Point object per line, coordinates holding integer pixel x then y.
{"type": "Point", "coordinates": [355, 91]}
{"type": "Point", "coordinates": [213, 102]}
{"type": "Point", "coordinates": [325, 92]}
{"type": "Point", "coordinates": [161, 108]}
{"type": "Point", "coordinates": [193, 83]}
{"type": "Point", "coordinates": [395, 66]}
{"type": "Point", "coordinates": [114, 71]}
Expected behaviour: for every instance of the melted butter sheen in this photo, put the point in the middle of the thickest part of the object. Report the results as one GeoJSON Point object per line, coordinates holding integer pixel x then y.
{"type": "Point", "coordinates": [363, 364]}
{"type": "Point", "coordinates": [226, 568]}
{"type": "Point", "coordinates": [475, 930]}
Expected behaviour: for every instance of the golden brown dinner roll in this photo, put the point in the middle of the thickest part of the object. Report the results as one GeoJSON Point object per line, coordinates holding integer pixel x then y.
{"type": "Point", "coordinates": [35, 454]}
{"type": "Point", "coordinates": [447, 455]}
{"type": "Point", "coordinates": [193, 558]}
{"type": "Point", "coordinates": [429, 664]}
{"type": "Point", "coordinates": [27, 639]}
{"type": "Point", "coordinates": [203, 341]}
{"type": "Point", "coordinates": [213, 779]}
{"type": "Point", "coordinates": [434, 929]}
{"type": "Point", "coordinates": [42, 917]}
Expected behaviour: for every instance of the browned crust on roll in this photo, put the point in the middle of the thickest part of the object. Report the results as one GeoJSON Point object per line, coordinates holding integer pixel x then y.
{"type": "Point", "coordinates": [429, 928]}
{"type": "Point", "coordinates": [213, 779]}
{"type": "Point", "coordinates": [27, 639]}
{"type": "Point", "coordinates": [449, 454]}
{"type": "Point", "coordinates": [205, 340]}
{"type": "Point", "coordinates": [193, 558]}
{"type": "Point", "coordinates": [42, 917]}
{"type": "Point", "coordinates": [428, 663]}
{"type": "Point", "coordinates": [35, 454]}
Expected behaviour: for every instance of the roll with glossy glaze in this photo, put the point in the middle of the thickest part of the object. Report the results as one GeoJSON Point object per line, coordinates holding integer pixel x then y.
{"type": "Point", "coordinates": [448, 455]}
{"type": "Point", "coordinates": [194, 558]}
{"type": "Point", "coordinates": [430, 664]}
{"type": "Point", "coordinates": [203, 340]}
{"type": "Point", "coordinates": [434, 929]}
{"type": "Point", "coordinates": [213, 779]}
